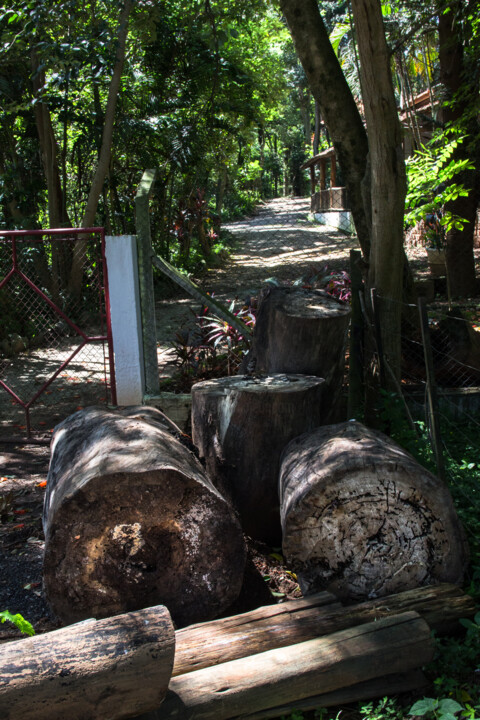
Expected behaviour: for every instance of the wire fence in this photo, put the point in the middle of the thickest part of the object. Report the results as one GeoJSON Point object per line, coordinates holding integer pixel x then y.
{"type": "Point", "coordinates": [435, 407]}
{"type": "Point", "coordinates": [55, 344]}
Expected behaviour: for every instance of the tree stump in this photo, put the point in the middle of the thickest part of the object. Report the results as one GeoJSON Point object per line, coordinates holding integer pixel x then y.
{"type": "Point", "coordinates": [362, 519]}
{"type": "Point", "coordinates": [131, 521]}
{"type": "Point", "coordinates": [90, 669]}
{"type": "Point", "coordinates": [241, 425]}
{"type": "Point", "coordinates": [304, 332]}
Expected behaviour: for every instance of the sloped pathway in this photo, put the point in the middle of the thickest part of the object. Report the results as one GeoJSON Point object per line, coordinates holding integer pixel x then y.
{"type": "Point", "coordinates": [280, 242]}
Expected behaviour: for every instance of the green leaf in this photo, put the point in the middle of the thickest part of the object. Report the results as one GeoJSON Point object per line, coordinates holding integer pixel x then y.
{"type": "Point", "coordinates": [337, 35]}
{"type": "Point", "coordinates": [424, 706]}
{"type": "Point", "coordinates": [449, 706]}
{"type": "Point", "coordinates": [23, 625]}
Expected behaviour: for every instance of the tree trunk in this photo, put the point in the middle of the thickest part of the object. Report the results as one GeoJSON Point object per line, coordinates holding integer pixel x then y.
{"type": "Point", "coordinates": [303, 332]}
{"type": "Point", "coordinates": [131, 520]}
{"type": "Point", "coordinates": [361, 518]}
{"type": "Point", "coordinates": [241, 425]}
{"type": "Point", "coordinates": [322, 665]}
{"type": "Point", "coordinates": [296, 621]}
{"type": "Point", "coordinates": [339, 111]}
{"type": "Point", "coordinates": [91, 670]}
{"type": "Point", "coordinates": [460, 259]}
{"type": "Point", "coordinates": [49, 149]}
{"type": "Point", "coordinates": [388, 178]}
{"type": "Point", "coordinates": [103, 162]}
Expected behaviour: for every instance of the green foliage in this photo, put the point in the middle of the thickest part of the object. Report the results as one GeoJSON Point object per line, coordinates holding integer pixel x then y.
{"type": "Point", "coordinates": [444, 709]}
{"type": "Point", "coordinates": [433, 180]}
{"type": "Point", "coordinates": [23, 625]}
{"type": "Point", "coordinates": [384, 709]}
{"type": "Point", "coordinates": [212, 349]}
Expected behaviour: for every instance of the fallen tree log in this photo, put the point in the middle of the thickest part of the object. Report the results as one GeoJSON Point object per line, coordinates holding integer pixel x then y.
{"type": "Point", "coordinates": [281, 676]}
{"type": "Point", "coordinates": [295, 621]}
{"type": "Point", "coordinates": [385, 686]}
{"type": "Point", "coordinates": [361, 518]}
{"type": "Point", "coordinates": [303, 331]}
{"type": "Point", "coordinates": [89, 671]}
{"type": "Point", "coordinates": [131, 520]}
{"type": "Point", "coordinates": [241, 425]}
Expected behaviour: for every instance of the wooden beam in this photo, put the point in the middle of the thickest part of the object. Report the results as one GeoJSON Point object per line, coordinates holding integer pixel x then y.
{"type": "Point", "coordinates": [102, 669]}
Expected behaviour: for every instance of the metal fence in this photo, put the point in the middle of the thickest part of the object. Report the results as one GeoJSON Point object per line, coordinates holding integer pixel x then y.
{"type": "Point", "coordinates": [435, 405]}
{"type": "Point", "coordinates": [56, 352]}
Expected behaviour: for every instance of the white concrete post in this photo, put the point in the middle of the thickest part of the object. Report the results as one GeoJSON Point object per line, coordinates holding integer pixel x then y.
{"type": "Point", "coordinates": [122, 266]}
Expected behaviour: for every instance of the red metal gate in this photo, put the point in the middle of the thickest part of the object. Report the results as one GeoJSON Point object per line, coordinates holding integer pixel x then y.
{"type": "Point", "coordinates": [56, 350]}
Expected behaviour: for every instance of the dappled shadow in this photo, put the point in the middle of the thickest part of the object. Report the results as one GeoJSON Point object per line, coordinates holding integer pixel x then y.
{"type": "Point", "coordinates": [281, 242]}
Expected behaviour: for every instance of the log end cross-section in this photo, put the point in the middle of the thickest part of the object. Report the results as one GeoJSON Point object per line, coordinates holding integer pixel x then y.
{"type": "Point", "coordinates": [361, 518]}
{"type": "Point", "coordinates": [132, 521]}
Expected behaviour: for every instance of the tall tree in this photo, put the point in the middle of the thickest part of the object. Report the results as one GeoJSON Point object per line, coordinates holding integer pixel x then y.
{"type": "Point", "coordinates": [337, 105]}
{"type": "Point", "coordinates": [387, 173]}
{"type": "Point", "coordinates": [373, 166]}
{"type": "Point", "coordinates": [460, 82]}
{"type": "Point", "coordinates": [78, 260]}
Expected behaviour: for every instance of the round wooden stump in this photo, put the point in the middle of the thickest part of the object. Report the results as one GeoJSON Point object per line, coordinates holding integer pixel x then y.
{"type": "Point", "coordinates": [131, 521]}
{"type": "Point", "coordinates": [241, 426]}
{"type": "Point", "coordinates": [303, 331]}
{"type": "Point", "coordinates": [362, 518]}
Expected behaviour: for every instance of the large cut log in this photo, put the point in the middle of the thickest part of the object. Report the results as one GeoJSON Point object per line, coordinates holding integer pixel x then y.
{"type": "Point", "coordinates": [361, 518]}
{"type": "Point", "coordinates": [131, 520]}
{"type": "Point", "coordinates": [95, 670]}
{"type": "Point", "coordinates": [241, 425]}
{"type": "Point", "coordinates": [305, 332]}
{"type": "Point", "coordinates": [276, 677]}
{"type": "Point", "coordinates": [381, 687]}
{"type": "Point", "coordinates": [295, 621]}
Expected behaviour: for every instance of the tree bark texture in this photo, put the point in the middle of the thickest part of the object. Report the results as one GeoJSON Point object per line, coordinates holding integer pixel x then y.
{"type": "Point", "coordinates": [322, 665]}
{"type": "Point", "coordinates": [362, 519]}
{"type": "Point", "coordinates": [295, 621]}
{"type": "Point", "coordinates": [91, 670]}
{"type": "Point", "coordinates": [339, 111]}
{"type": "Point", "coordinates": [241, 425]}
{"type": "Point", "coordinates": [131, 520]}
{"type": "Point", "coordinates": [304, 332]}
{"type": "Point", "coordinates": [388, 177]}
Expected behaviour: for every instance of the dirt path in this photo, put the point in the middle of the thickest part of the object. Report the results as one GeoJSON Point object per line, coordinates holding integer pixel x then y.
{"type": "Point", "coordinates": [280, 242]}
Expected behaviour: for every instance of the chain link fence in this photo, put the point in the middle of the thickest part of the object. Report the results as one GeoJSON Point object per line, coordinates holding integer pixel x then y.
{"type": "Point", "coordinates": [55, 343]}
{"type": "Point", "coordinates": [434, 409]}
